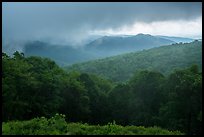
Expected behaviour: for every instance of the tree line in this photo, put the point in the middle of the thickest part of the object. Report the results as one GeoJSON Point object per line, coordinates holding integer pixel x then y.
{"type": "Point", "coordinates": [35, 86]}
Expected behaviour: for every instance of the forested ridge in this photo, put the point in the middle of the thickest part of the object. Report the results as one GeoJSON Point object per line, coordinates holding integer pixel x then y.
{"type": "Point", "coordinates": [35, 87]}
{"type": "Point", "coordinates": [163, 59]}
{"type": "Point", "coordinates": [102, 47]}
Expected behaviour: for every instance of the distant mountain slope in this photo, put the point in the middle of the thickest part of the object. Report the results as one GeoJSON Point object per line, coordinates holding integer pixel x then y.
{"type": "Point", "coordinates": [98, 48]}
{"type": "Point", "coordinates": [62, 55]}
{"type": "Point", "coordinates": [113, 45]}
{"type": "Point", "coordinates": [163, 59]}
{"type": "Point", "coordinates": [101, 47]}
{"type": "Point", "coordinates": [177, 39]}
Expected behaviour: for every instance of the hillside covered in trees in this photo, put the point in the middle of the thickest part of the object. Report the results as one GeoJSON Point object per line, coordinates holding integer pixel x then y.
{"type": "Point", "coordinates": [101, 47]}
{"type": "Point", "coordinates": [35, 87]}
{"type": "Point", "coordinates": [108, 68]}
{"type": "Point", "coordinates": [163, 59]}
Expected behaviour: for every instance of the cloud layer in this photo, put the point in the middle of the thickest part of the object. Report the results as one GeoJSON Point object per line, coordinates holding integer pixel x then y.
{"type": "Point", "coordinates": [179, 28]}
{"type": "Point", "coordinates": [72, 22]}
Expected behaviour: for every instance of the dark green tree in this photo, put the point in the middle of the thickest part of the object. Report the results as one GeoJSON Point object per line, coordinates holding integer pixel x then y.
{"type": "Point", "coordinates": [146, 87]}
{"type": "Point", "coordinates": [184, 105]}
{"type": "Point", "coordinates": [119, 104]}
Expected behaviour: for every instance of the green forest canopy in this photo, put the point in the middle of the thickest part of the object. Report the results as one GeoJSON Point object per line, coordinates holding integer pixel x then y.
{"type": "Point", "coordinates": [163, 59]}
{"type": "Point", "coordinates": [34, 87]}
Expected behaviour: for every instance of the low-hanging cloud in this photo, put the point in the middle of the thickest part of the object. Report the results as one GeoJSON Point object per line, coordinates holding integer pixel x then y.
{"type": "Point", "coordinates": [71, 22]}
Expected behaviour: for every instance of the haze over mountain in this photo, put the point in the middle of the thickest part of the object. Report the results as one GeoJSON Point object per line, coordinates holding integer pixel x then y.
{"type": "Point", "coordinates": [98, 47]}
{"type": "Point", "coordinates": [102, 47]}
{"type": "Point", "coordinates": [61, 54]}
{"type": "Point", "coordinates": [113, 45]}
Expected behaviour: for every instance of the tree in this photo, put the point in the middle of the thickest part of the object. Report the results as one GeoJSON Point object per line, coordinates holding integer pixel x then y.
{"type": "Point", "coordinates": [146, 87]}
{"type": "Point", "coordinates": [119, 103]}
{"type": "Point", "coordinates": [181, 111]}
{"type": "Point", "coordinates": [30, 87]}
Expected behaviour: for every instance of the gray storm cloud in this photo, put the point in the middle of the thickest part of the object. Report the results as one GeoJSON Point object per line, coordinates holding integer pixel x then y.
{"type": "Point", "coordinates": [71, 22]}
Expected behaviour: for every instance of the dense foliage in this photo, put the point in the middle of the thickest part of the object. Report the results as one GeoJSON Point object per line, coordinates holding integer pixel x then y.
{"type": "Point", "coordinates": [163, 59]}
{"type": "Point", "coordinates": [58, 126]}
{"type": "Point", "coordinates": [35, 87]}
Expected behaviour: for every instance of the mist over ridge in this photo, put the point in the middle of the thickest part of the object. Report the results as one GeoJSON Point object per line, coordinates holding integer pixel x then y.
{"type": "Point", "coordinates": [79, 23]}
{"type": "Point", "coordinates": [99, 48]}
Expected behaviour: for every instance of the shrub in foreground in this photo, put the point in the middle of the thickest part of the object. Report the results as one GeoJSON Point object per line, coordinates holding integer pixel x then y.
{"type": "Point", "coordinates": [58, 126]}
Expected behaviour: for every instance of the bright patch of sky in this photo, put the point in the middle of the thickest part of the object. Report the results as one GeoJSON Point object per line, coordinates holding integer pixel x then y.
{"type": "Point", "coordinates": [179, 28]}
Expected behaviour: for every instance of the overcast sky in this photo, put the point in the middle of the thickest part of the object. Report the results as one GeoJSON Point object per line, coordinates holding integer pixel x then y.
{"type": "Point", "coordinates": [74, 22]}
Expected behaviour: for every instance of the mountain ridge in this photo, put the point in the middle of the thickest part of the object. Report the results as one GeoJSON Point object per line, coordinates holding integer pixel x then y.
{"type": "Point", "coordinates": [98, 48]}
{"type": "Point", "coordinates": [113, 45]}
{"type": "Point", "coordinates": [163, 59]}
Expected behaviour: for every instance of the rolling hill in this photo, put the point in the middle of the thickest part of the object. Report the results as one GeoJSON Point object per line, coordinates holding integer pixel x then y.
{"type": "Point", "coordinates": [113, 45]}
{"type": "Point", "coordinates": [102, 47]}
{"type": "Point", "coordinates": [163, 59]}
